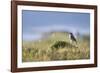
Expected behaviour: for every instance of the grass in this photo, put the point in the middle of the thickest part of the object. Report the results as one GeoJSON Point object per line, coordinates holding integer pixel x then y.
{"type": "Point", "coordinates": [45, 49]}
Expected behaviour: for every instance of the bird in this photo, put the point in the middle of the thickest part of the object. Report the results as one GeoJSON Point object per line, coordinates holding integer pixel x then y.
{"type": "Point", "coordinates": [71, 36]}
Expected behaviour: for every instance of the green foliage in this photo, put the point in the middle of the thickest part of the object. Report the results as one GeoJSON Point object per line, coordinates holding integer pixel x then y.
{"type": "Point", "coordinates": [56, 47]}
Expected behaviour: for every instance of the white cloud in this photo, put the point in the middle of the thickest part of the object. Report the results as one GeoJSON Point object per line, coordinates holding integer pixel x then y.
{"type": "Point", "coordinates": [51, 28]}
{"type": "Point", "coordinates": [37, 32]}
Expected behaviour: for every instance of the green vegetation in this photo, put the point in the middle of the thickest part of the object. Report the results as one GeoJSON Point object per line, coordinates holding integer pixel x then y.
{"type": "Point", "coordinates": [45, 49]}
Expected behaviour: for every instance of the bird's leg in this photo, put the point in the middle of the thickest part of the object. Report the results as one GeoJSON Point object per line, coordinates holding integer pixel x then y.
{"type": "Point", "coordinates": [76, 44]}
{"type": "Point", "coordinates": [71, 41]}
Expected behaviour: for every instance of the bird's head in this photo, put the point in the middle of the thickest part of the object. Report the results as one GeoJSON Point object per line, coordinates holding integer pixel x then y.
{"type": "Point", "coordinates": [70, 33]}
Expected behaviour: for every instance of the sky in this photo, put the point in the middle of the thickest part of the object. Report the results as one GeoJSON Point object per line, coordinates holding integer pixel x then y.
{"type": "Point", "coordinates": [35, 23]}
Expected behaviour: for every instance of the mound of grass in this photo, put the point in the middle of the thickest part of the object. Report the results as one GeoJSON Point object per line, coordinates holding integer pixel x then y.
{"type": "Point", "coordinates": [55, 47]}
